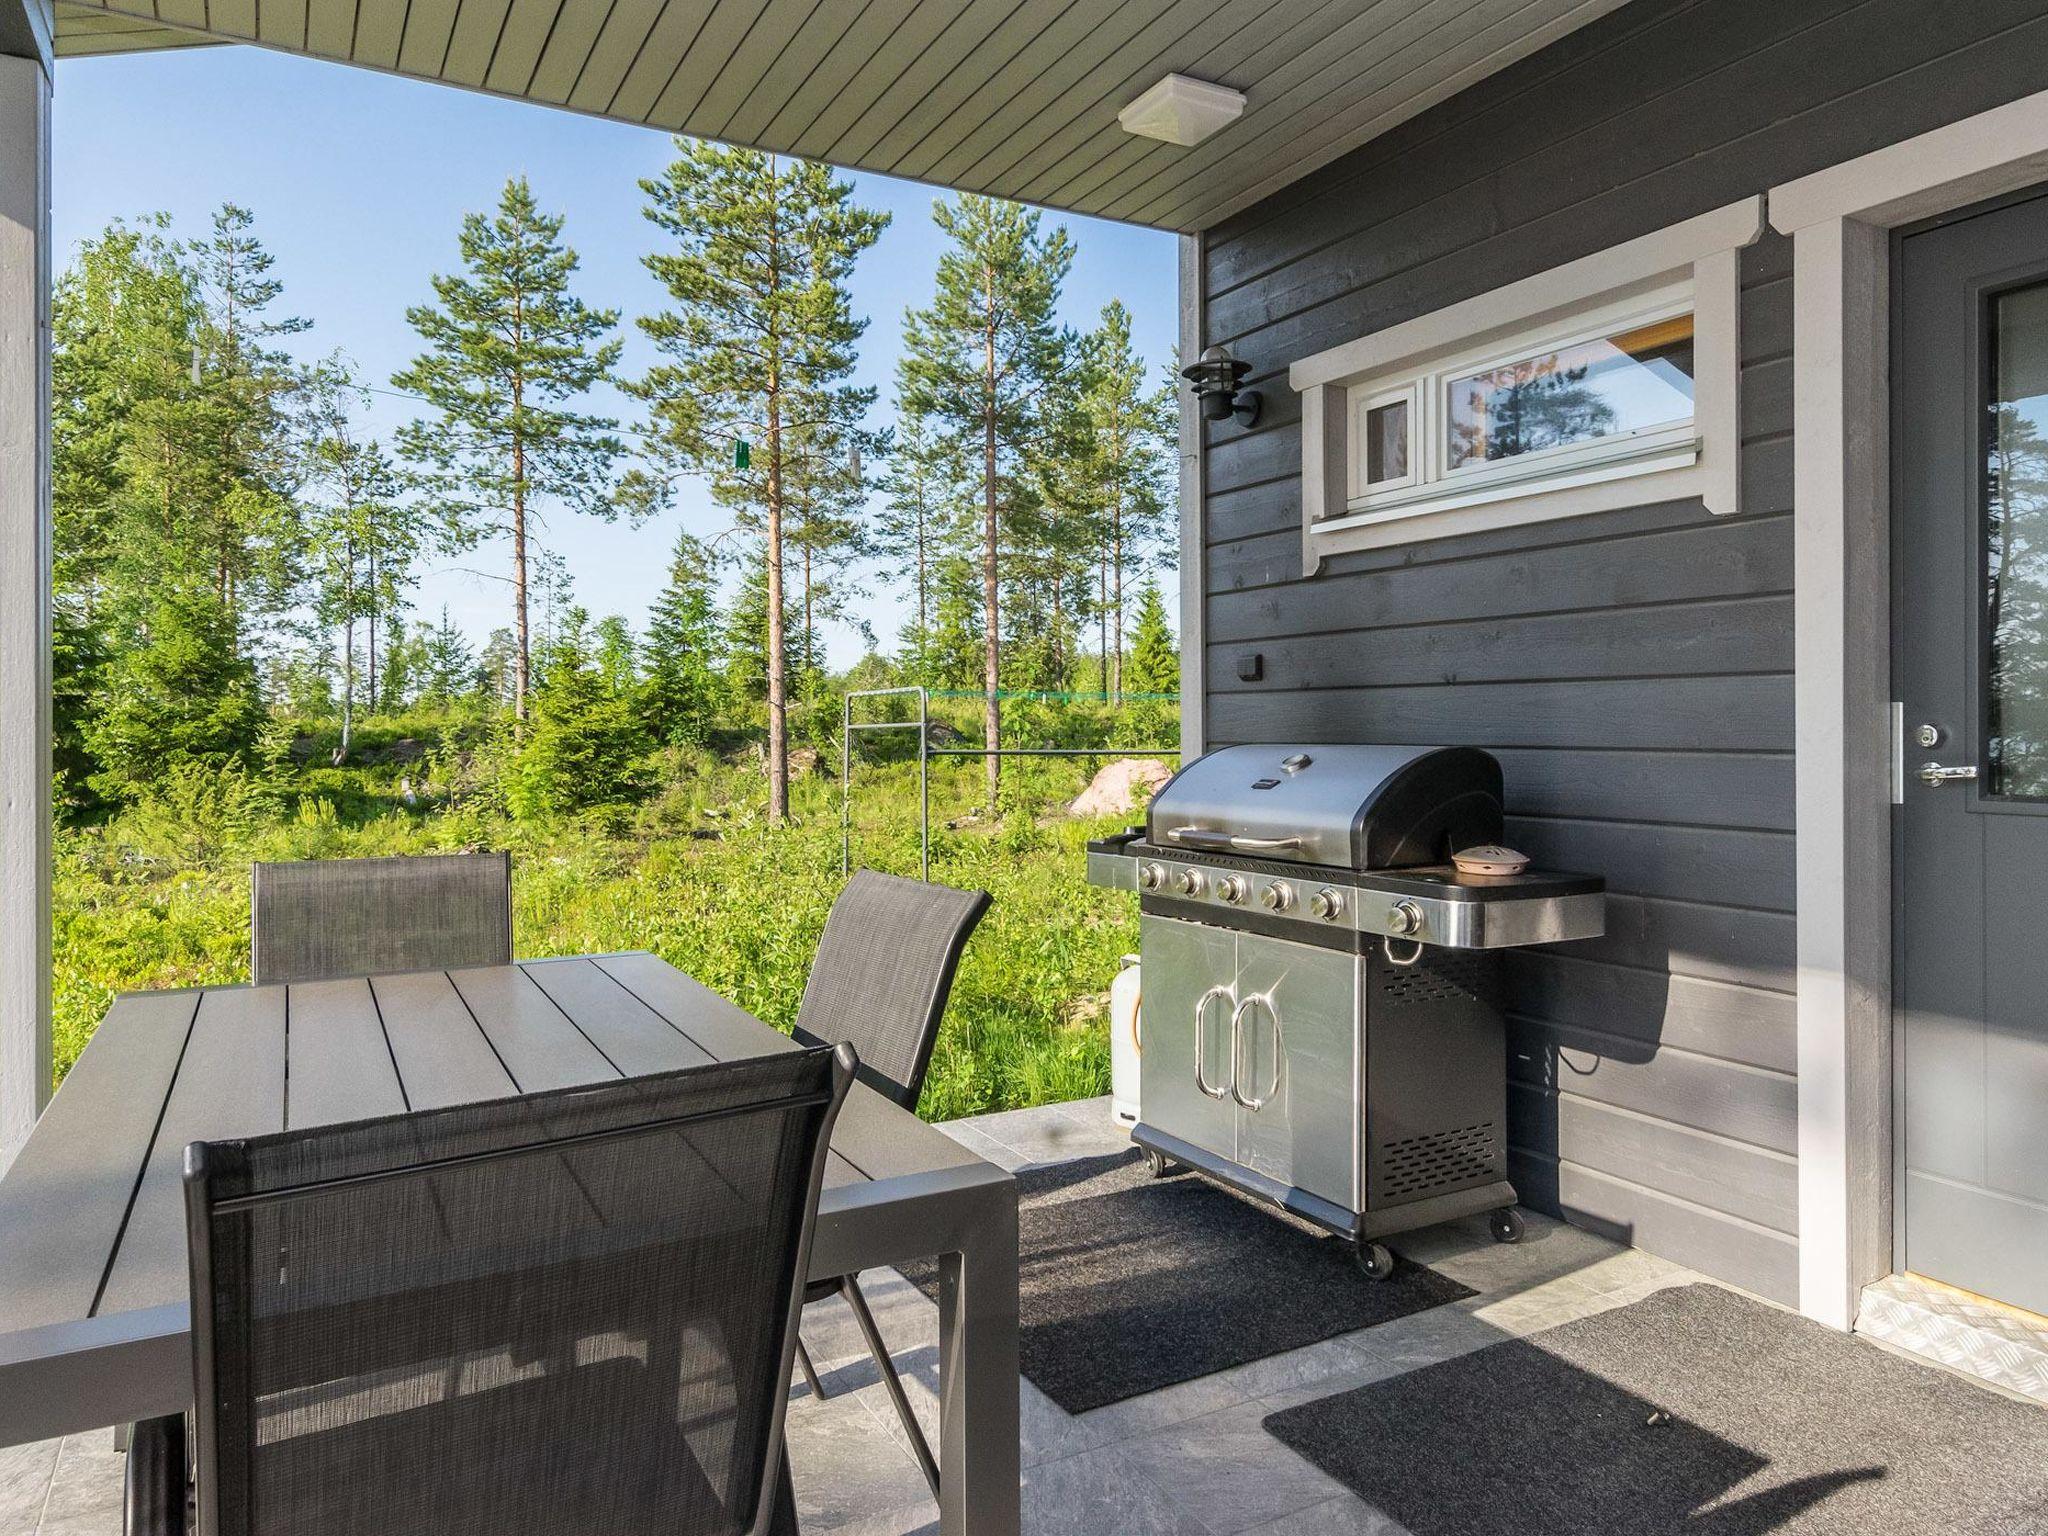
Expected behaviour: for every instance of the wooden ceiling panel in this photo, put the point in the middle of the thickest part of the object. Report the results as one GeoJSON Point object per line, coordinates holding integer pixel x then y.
{"type": "Point", "coordinates": [1015, 98]}
{"type": "Point", "coordinates": [859, 51]}
{"type": "Point", "coordinates": [379, 25]}
{"type": "Point", "coordinates": [330, 31]}
{"type": "Point", "coordinates": [423, 46]}
{"type": "Point", "coordinates": [699, 66]}
{"type": "Point", "coordinates": [473, 41]}
{"type": "Point", "coordinates": [528, 28]}
{"type": "Point", "coordinates": [282, 23]}
{"type": "Point", "coordinates": [1095, 88]}
{"type": "Point", "coordinates": [931, 57]}
{"type": "Point", "coordinates": [1076, 135]}
{"type": "Point", "coordinates": [809, 48]}
{"type": "Point", "coordinates": [1031, 82]}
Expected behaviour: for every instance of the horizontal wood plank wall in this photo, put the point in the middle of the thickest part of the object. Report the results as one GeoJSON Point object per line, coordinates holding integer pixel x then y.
{"type": "Point", "coordinates": [1633, 668]}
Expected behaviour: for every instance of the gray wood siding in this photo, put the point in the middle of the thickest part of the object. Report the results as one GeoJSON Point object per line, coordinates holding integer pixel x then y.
{"type": "Point", "coordinates": [1631, 668]}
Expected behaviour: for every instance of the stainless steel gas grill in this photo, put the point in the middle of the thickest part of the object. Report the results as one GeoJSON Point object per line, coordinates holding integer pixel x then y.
{"type": "Point", "coordinates": [1322, 1018]}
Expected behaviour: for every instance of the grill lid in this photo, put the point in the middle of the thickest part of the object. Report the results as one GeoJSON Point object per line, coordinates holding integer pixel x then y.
{"type": "Point", "coordinates": [1354, 807]}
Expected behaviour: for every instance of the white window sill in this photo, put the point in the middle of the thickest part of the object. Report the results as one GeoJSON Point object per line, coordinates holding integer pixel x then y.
{"type": "Point", "coordinates": [1684, 476]}
{"type": "Point", "coordinates": [1650, 454]}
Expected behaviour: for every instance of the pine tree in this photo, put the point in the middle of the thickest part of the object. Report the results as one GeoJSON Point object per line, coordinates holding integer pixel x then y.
{"type": "Point", "coordinates": [362, 538]}
{"type": "Point", "coordinates": [921, 519]}
{"type": "Point", "coordinates": [1048, 584]}
{"type": "Point", "coordinates": [495, 667]}
{"type": "Point", "coordinates": [979, 363]}
{"type": "Point", "coordinates": [679, 696]}
{"type": "Point", "coordinates": [174, 474]}
{"type": "Point", "coordinates": [747, 641]}
{"type": "Point", "coordinates": [125, 320]}
{"type": "Point", "coordinates": [825, 530]}
{"type": "Point", "coordinates": [1155, 660]}
{"type": "Point", "coordinates": [583, 741]}
{"type": "Point", "coordinates": [78, 664]}
{"type": "Point", "coordinates": [757, 350]}
{"type": "Point", "coordinates": [251, 387]}
{"type": "Point", "coordinates": [182, 694]}
{"type": "Point", "coordinates": [953, 647]}
{"type": "Point", "coordinates": [1131, 432]}
{"type": "Point", "coordinates": [617, 656]}
{"type": "Point", "coordinates": [405, 652]}
{"type": "Point", "coordinates": [509, 347]}
{"type": "Point", "coordinates": [448, 667]}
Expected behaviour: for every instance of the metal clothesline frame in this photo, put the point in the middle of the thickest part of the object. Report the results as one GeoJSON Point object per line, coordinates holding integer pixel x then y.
{"type": "Point", "coordinates": [925, 753]}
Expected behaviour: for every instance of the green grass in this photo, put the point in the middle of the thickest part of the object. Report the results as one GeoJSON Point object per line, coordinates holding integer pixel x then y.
{"type": "Point", "coordinates": [159, 897]}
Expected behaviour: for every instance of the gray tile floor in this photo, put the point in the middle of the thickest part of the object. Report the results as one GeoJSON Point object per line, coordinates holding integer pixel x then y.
{"type": "Point", "coordinates": [1191, 1460]}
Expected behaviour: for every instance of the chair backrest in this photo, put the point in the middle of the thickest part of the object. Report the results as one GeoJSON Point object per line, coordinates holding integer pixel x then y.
{"type": "Point", "coordinates": [325, 918]}
{"type": "Point", "coordinates": [884, 967]}
{"type": "Point", "coordinates": [574, 1312]}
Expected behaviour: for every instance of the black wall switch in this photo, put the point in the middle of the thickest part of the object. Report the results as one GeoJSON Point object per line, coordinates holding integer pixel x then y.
{"type": "Point", "coordinates": [1250, 669]}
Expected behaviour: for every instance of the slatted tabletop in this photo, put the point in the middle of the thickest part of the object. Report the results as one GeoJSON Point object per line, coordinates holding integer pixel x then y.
{"type": "Point", "coordinates": [93, 1284]}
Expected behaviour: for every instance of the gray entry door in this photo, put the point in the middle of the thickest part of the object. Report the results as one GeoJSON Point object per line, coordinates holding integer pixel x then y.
{"type": "Point", "coordinates": [1970, 665]}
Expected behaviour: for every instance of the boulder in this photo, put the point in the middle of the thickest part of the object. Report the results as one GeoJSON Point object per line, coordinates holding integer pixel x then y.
{"type": "Point", "coordinates": [1120, 785]}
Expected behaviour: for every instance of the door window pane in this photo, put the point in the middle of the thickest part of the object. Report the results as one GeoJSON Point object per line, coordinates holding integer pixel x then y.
{"type": "Point", "coordinates": [1623, 383]}
{"type": "Point", "coordinates": [2016, 545]}
{"type": "Point", "coordinates": [1386, 443]}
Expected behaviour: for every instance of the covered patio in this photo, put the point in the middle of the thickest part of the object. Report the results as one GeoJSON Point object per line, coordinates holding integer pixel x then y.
{"type": "Point", "coordinates": [1676, 636]}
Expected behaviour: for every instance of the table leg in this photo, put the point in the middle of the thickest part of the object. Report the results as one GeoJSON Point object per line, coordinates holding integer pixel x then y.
{"type": "Point", "coordinates": [979, 1468]}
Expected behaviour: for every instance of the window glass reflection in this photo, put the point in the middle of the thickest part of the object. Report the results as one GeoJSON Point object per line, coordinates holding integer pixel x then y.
{"type": "Point", "coordinates": [2016, 545]}
{"type": "Point", "coordinates": [1623, 383]}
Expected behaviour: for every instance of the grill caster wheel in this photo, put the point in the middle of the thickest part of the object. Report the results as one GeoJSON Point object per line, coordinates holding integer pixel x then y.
{"type": "Point", "coordinates": [1375, 1260]}
{"type": "Point", "coordinates": [1505, 1225]}
{"type": "Point", "coordinates": [1160, 1164]}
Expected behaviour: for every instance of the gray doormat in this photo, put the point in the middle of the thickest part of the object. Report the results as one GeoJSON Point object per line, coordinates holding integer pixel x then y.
{"type": "Point", "coordinates": [1131, 1283]}
{"type": "Point", "coordinates": [1774, 1424]}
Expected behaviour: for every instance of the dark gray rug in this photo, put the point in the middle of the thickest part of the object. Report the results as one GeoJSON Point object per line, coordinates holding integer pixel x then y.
{"type": "Point", "coordinates": [1774, 1424]}
{"type": "Point", "coordinates": [1131, 1283]}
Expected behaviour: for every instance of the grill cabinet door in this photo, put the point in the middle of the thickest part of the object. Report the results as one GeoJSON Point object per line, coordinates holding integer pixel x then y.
{"type": "Point", "coordinates": [1297, 1065]}
{"type": "Point", "coordinates": [1183, 964]}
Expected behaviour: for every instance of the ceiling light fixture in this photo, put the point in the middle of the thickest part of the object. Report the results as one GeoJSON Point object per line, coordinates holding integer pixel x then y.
{"type": "Point", "coordinates": [1182, 110]}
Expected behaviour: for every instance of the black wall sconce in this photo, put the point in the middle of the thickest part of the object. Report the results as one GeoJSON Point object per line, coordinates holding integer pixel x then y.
{"type": "Point", "coordinates": [1214, 380]}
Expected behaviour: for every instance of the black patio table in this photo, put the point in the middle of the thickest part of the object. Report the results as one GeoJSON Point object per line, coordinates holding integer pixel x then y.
{"type": "Point", "coordinates": [94, 1325]}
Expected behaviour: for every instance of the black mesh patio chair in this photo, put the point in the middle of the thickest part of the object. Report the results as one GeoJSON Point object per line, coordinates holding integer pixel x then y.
{"type": "Point", "coordinates": [327, 918]}
{"type": "Point", "coordinates": [879, 982]}
{"type": "Point", "coordinates": [559, 1315]}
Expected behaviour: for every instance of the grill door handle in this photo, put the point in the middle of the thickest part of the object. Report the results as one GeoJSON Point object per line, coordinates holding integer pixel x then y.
{"type": "Point", "coordinates": [1251, 1004]}
{"type": "Point", "coordinates": [1212, 841]}
{"type": "Point", "coordinates": [1201, 1042]}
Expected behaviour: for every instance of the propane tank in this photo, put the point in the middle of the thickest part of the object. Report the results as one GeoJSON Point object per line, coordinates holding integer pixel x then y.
{"type": "Point", "coordinates": [1124, 1046]}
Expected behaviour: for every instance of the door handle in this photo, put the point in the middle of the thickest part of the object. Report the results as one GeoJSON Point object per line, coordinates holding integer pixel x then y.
{"type": "Point", "coordinates": [1257, 1000]}
{"type": "Point", "coordinates": [1201, 1042]}
{"type": "Point", "coordinates": [1934, 775]}
{"type": "Point", "coordinates": [1228, 842]}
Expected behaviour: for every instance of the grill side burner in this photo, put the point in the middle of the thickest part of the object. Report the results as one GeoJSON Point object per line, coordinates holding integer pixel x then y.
{"type": "Point", "coordinates": [1321, 1031]}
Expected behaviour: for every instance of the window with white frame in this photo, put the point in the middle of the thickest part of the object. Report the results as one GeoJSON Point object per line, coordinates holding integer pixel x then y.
{"type": "Point", "coordinates": [1604, 383]}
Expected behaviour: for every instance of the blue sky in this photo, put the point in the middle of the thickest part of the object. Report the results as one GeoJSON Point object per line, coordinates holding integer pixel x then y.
{"type": "Point", "coordinates": [358, 182]}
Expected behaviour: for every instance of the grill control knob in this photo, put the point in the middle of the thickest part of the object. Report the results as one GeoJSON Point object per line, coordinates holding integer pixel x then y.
{"type": "Point", "coordinates": [1231, 888]}
{"type": "Point", "coordinates": [1328, 904]}
{"type": "Point", "coordinates": [1277, 897]}
{"type": "Point", "coordinates": [1404, 919]}
{"type": "Point", "coordinates": [1151, 876]}
{"type": "Point", "coordinates": [1191, 882]}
